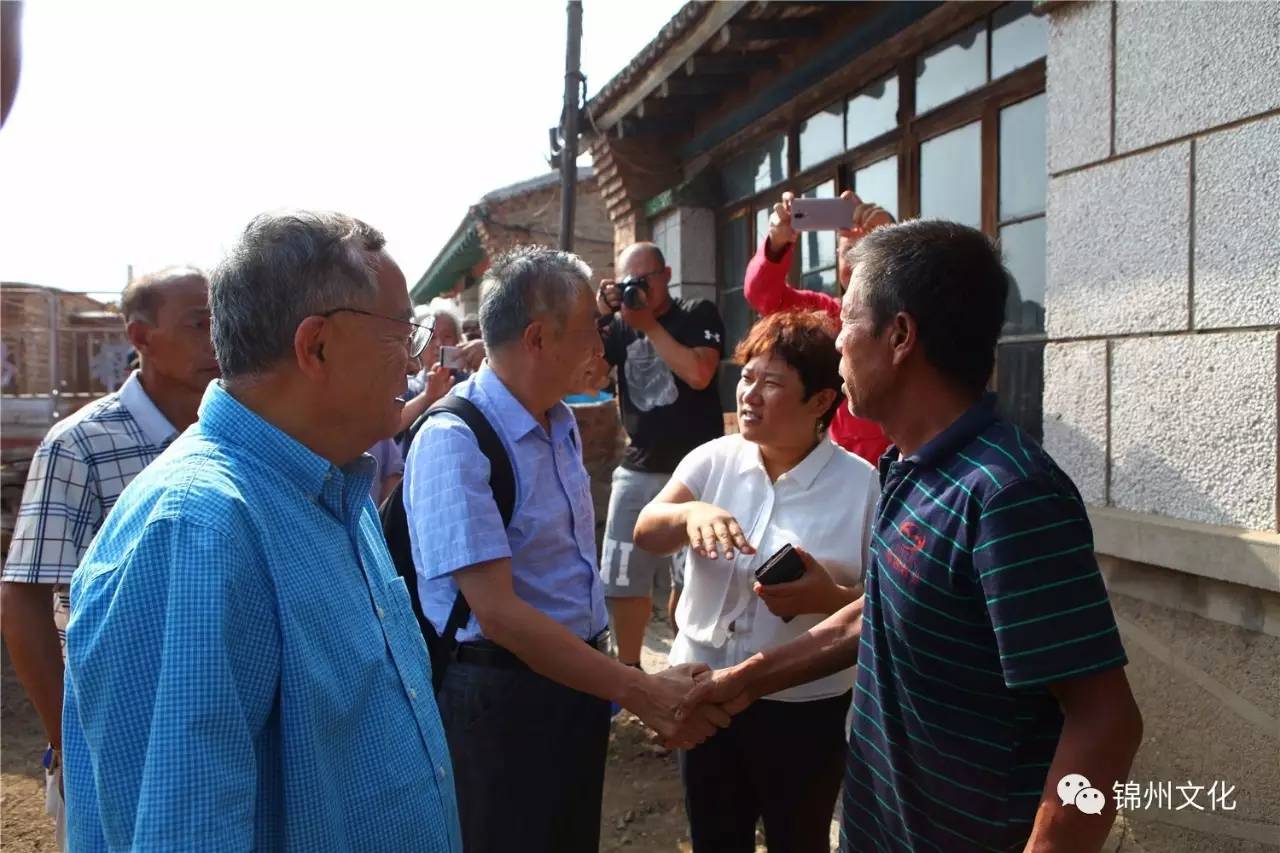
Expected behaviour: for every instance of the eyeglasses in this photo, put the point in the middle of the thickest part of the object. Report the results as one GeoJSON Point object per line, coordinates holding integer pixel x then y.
{"type": "Point", "coordinates": [419, 335]}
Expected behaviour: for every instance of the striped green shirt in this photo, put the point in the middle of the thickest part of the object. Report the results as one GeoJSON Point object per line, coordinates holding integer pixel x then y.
{"type": "Point", "coordinates": [982, 590]}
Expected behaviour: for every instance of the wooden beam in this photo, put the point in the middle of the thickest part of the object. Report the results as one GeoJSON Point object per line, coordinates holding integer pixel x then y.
{"type": "Point", "coordinates": [717, 16]}
{"type": "Point", "coordinates": [658, 108]}
{"type": "Point", "coordinates": [884, 58]}
{"type": "Point", "coordinates": [677, 87]}
{"type": "Point", "coordinates": [631, 127]}
{"type": "Point", "coordinates": [737, 33]}
{"type": "Point", "coordinates": [730, 64]}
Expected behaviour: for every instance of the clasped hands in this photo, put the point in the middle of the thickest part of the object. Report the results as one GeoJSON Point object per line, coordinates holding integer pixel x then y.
{"type": "Point", "coordinates": [694, 700]}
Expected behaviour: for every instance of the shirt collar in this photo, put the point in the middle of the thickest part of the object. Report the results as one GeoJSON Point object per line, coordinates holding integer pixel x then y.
{"type": "Point", "coordinates": [516, 419]}
{"type": "Point", "coordinates": [961, 431]}
{"type": "Point", "coordinates": [224, 418]}
{"type": "Point", "coordinates": [154, 425]}
{"type": "Point", "coordinates": [802, 475]}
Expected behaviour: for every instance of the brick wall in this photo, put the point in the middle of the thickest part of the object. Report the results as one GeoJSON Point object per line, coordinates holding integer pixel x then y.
{"type": "Point", "coordinates": [534, 218]}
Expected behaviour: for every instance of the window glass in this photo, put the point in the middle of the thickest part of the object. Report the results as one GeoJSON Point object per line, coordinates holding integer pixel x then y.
{"type": "Point", "coordinates": [878, 184]}
{"type": "Point", "coordinates": [1020, 385]}
{"type": "Point", "coordinates": [735, 251]}
{"type": "Point", "coordinates": [871, 112]}
{"type": "Point", "coordinates": [951, 176]}
{"type": "Point", "coordinates": [822, 136]}
{"type": "Point", "coordinates": [756, 169]}
{"type": "Point", "coordinates": [954, 67]}
{"type": "Point", "coordinates": [1023, 173]}
{"type": "Point", "coordinates": [1018, 38]}
{"type": "Point", "coordinates": [822, 280]}
{"type": "Point", "coordinates": [1023, 248]}
{"type": "Point", "coordinates": [762, 225]}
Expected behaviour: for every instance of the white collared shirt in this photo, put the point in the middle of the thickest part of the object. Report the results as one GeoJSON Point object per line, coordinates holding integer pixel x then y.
{"type": "Point", "coordinates": [154, 425]}
{"type": "Point", "coordinates": [825, 505]}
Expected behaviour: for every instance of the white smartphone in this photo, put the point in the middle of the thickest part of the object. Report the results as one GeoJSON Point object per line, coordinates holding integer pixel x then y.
{"type": "Point", "coordinates": [822, 214]}
{"type": "Point", "coordinates": [452, 357]}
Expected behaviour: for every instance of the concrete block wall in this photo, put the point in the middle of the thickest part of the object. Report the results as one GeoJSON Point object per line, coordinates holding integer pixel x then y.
{"type": "Point", "coordinates": [687, 237]}
{"type": "Point", "coordinates": [1160, 379]}
{"type": "Point", "coordinates": [1163, 279]}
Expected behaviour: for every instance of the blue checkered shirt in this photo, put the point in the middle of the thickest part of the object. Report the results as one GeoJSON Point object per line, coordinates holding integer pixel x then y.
{"type": "Point", "coordinates": [244, 668]}
{"type": "Point", "coordinates": [81, 467]}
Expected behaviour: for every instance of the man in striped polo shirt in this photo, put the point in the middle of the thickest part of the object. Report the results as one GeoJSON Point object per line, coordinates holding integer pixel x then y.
{"type": "Point", "coordinates": [989, 665]}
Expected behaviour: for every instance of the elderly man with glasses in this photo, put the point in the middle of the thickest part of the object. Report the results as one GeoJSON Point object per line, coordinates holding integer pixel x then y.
{"type": "Point", "coordinates": [244, 667]}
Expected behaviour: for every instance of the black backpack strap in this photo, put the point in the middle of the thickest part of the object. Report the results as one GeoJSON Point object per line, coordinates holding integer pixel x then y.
{"type": "Point", "coordinates": [395, 525]}
{"type": "Point", "coordinates": [502, 481]}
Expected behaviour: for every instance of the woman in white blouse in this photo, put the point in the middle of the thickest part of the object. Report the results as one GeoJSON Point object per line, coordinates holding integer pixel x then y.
{"type": "Point", "coordinates": [735, 501]}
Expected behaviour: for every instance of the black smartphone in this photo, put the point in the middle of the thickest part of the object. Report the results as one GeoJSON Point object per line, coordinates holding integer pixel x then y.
{"type": "Point", "coordinates": [783, 567]}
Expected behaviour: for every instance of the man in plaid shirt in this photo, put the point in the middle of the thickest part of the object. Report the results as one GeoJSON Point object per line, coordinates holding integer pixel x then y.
{"type": "Point", "coordinates": [83, 464]}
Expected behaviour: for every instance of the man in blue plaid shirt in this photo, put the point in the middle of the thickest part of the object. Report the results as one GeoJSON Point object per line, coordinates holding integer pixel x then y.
{"type": "Point", "coordinates": [79, 470]}
{"type": "Point", "coordinates": [244, 669]}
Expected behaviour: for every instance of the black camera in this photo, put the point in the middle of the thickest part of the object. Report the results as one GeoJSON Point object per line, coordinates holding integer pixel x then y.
{"type": "Point", "coordinates": [635, 291]}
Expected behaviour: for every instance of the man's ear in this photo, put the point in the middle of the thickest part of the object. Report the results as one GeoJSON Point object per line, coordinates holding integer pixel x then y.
{"type": "Point", "coordinates": [903, 336]}
{"type": "Point", "coordinates": [139, 335]}
{"type": "Point", "coordinates": [309, 347]}
{"type": "Point", "coordinates": [533, 336]}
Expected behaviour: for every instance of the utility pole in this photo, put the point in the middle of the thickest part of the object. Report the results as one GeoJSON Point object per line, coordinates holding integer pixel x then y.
{"type": "Point", "coordinates": [569, 125]}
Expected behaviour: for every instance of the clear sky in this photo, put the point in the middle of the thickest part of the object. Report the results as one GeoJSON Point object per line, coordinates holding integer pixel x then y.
{"type": "Point", "coordinates": [149, 133]}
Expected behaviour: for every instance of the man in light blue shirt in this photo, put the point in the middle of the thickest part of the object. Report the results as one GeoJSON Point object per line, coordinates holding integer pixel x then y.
{"type": "Point", "coordinates": [526, 702]}
{"type": "Point", "coordinates": [244, 667]}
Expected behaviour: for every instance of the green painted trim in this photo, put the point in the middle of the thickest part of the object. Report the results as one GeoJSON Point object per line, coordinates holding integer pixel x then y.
{"type": "Point", "coordinates": [660, 204]}
{"type": "Point", "coordinates": [459, 255]}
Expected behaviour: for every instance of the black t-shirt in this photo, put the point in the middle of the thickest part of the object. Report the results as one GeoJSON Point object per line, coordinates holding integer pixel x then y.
{"type": "Point", "coordinates": [664, 417]}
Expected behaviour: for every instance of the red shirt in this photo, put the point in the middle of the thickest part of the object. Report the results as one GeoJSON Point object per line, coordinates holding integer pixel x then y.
{"type": "Point", "coordinates": [767, 291]}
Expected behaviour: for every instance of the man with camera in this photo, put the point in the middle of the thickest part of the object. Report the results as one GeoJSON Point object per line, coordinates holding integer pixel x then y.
{"type": "Point", "coordinates": [667, 352]}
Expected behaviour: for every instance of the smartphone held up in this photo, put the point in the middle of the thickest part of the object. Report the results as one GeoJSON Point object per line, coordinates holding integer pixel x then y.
{"type": "Point", "coordinates": [822, 214]}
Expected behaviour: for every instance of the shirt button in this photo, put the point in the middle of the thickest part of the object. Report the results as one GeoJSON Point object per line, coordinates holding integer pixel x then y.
{"type": "Point", "coordinates": [413, 695]}
{"type": "Point", "coordinates": [441, 773]}
{"type": "Point", "coordinates": [381, 612]}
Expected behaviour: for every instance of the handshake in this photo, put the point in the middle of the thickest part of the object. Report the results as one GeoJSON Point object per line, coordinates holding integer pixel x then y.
{"type": "Point", "coordinates": [687, 703]}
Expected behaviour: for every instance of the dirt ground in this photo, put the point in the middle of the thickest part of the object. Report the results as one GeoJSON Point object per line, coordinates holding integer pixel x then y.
{"type": "Point", "coordinates": [643, 802]}
{"type": "Point", "coordinates": [23, 824]}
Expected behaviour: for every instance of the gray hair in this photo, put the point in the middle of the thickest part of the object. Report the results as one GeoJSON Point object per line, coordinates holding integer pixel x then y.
{"type": "Point", "coordinates": [141, 298]}
{"type": "Point", "coordinates": [287, 266]}
{"type": "Point", "coordinates": [526, 283]}
{"type": "Point", "coordinates": [437, 308]}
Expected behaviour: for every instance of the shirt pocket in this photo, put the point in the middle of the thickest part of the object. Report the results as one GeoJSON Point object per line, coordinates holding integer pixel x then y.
{"type": "Point", "coordinates": [400, 623]}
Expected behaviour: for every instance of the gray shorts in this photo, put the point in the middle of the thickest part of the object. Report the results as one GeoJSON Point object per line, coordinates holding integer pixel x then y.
{"type": "Point", "coordinates": [627, 571]}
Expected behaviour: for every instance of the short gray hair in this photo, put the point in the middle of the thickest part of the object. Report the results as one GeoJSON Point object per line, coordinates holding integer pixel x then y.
{"type": "Point", "coordinates": [287, 266]}
{"type": "Point", "coordinates": [437, 308]}
{"type": "Point", "coordinates": [529, 282]}
{"type": "Point", "coordinates": [141, 298]}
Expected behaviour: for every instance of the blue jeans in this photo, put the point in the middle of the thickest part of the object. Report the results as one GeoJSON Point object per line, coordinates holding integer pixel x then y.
{"type": "Point", "coordinates": [528, 760]}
